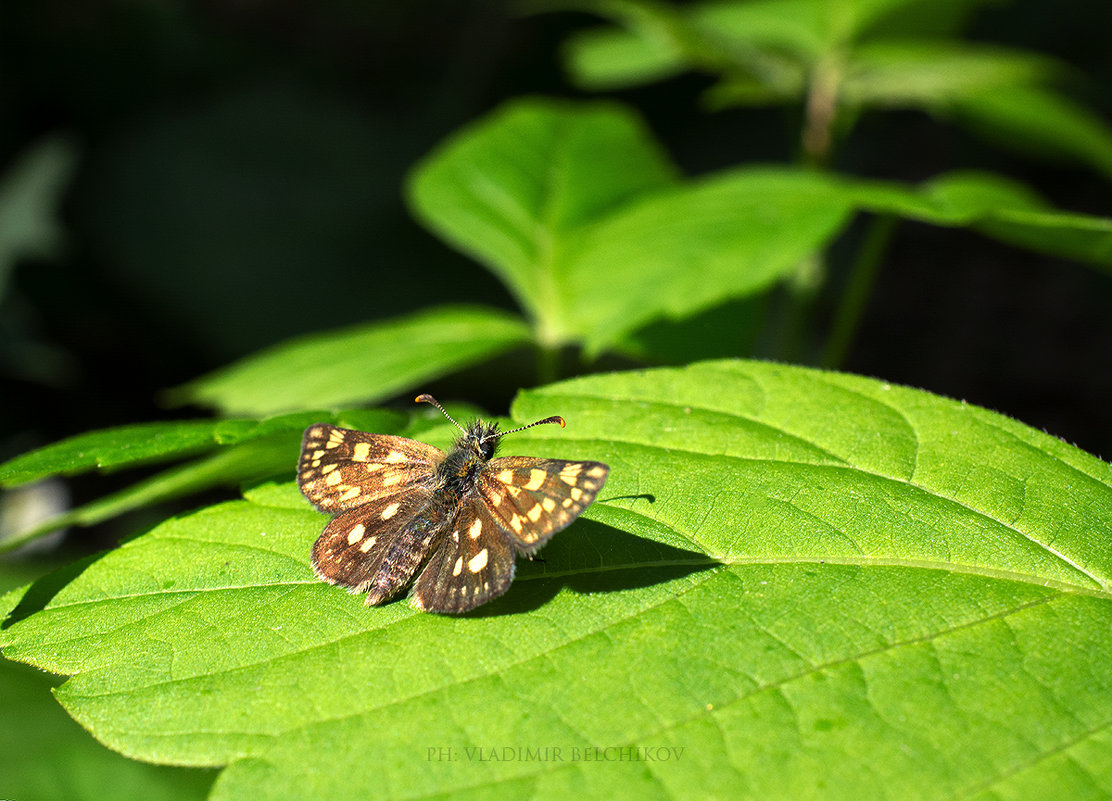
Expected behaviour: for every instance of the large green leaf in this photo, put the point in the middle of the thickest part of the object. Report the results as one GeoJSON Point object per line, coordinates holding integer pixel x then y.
{"type": "Point", "coordinates": [358, 365]}
{"type": "Point", "coordinates": [795, 584]}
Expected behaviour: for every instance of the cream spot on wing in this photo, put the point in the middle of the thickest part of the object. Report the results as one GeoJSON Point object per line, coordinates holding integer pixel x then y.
{"type": "Point", "coordinates": [390, 511]}
{"type": "Point", "coordinates": [361, 451]}
{"type": "Point", "coordinates": [515, 523]}
{"type": "Point", "coordinates": [477, 562]}
{"type": "Point", "coordinates": [506, 476]}
{"type": "Point", "coordinates": [393, 457]}
{"type": "Point", "coordinates": [455, 536]}
{"type": "Point", "coordinates": [536, 479]}
{"type": "Point", "coordinates": [356, 533]}
{"type": "Point", "coordinates": [548, 504]}
{"type": "Point", "coordinates": [476, 529]}
{"type": "Point", "coordinates": [367, 544]}
{"type": "Point", "coordinates": [373, 467]}
{"type": "Point", "coordinates": [569, 480]}
{"type": "Point", "coordinates": [353, 492]}
{"type": "Point", "coordinates": [317, 431]}
{"type": "Point", "coordinates": [318, 454]}
{"type": "Point", "coordinates": [333, 479]}
{"type": "Point", "coordinates": [328, 468]}
{"type": "Point", "coordinates": [566, 502]}
{"type": "Point", "coordinates": [495, 498]}
{"type": "Point", "coordinates": [331, 444]}
{"type": "Point", "coordinates": [391, 480]}
{"type": "Point", "coordinates": [576, 493]}
{"type": "Point", "coordinates": [515, 492]}
{"type": "Point", "coordinates": [534, 513]}
{"type": "Point", "coordinates": [597, 472]}
{"type": "Point", "coordinates": [458, 567]}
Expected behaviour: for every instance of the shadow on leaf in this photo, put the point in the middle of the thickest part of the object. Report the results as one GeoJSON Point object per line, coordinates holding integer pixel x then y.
{"type": "Point", "coordinates": [43, 590]}
{"type": "Point", "coordinates": [591, 557]}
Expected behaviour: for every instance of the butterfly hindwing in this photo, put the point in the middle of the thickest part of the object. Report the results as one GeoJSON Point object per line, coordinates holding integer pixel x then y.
{"type": "Point", "coordinates": [472, 564]}
{"type": "Point", "coordinates": [355, 543]}
{"type": "Point", "coordinates": [343, 469]}
{"type": "Point", "coordinates": [532, 499]}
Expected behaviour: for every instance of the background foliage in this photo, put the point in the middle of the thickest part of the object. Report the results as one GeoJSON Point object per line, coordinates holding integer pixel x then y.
{"type": "Point", "coordinates": [218, 221]}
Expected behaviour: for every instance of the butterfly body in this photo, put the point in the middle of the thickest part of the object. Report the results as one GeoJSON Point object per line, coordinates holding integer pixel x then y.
{"type": "Point", "coordinates": [460, 518]}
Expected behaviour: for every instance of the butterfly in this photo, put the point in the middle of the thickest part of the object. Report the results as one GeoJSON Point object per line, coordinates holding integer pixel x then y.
{"type": "Point", "coordinates": [460, 517]}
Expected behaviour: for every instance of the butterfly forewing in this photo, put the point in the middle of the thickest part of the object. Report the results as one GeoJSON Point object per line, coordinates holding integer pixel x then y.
{"type": "Point", "coordinates": [532, 499]}
{"type": "Point", "coordinates": [474, 563]}
{"type": "Point", "coordinates": [343, 469]}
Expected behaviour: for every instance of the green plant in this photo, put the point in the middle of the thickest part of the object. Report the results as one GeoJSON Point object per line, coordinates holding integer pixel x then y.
{"type": "Point", "coordinates": [797, 583]}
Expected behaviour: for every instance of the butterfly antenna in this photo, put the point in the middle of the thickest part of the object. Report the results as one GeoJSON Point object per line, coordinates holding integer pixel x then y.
{"type": "Point", "coordinates": [436, 403]}
{"type": "Point", "coordinates": [554, 419]}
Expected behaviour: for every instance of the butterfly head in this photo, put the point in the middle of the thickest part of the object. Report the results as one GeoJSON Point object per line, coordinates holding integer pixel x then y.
{"type": "Point", "coordinates": [479, 438]}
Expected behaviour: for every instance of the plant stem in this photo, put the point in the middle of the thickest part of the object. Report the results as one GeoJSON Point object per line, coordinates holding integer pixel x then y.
{"type": "Point", "coordinates": [859, 286]}
{"type": "Point", "coordinates": [548, 364]}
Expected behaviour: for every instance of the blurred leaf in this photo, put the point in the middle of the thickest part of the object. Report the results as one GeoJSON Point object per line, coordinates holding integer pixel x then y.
{"type": "Point", "coordinates": [515, 189]}
{"type": "Point", "coordinates": [996, 207]}
{"type": "Point", "coordinates": [357, 365]}
{"type": "Point", "coordinates": [902, 606]}
{"type": "Point", "coordinates": [922, 73]}
{"type": "Point", "coordinates": [587, 247]}
{"type": "Point", "coordinates": [681, 252]}
{"type": "Point", "coordinates": [769, 46]}
{"type": "Point", "coordinates": [30, 193]}
{"type": "Point", "coordinates": [1039, 122]}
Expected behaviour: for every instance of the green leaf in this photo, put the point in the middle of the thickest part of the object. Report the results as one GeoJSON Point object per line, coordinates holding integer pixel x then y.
{"type": "Point", "coordinates": [361, 364]}
{"type": "Point", "coordinates": [795, 584]}
{"type": "Point", "coordinates": [1040, 123]}
{"type": "Point", "coordinates": [111, 447]}
{"type": "Point", "coordinates": [768, 46]}
{"type": "Point", "coordinates": [924, 73]}
{"type": "Point", "coordinates": [556, 201]}
{"type": "Point", "coordinates": [996, 207]}
{"type": "Point", "coordinates": [681, 252]}
{"type": "Point", "coordinates": [227, 467]}
{"type": "Point", "coordinates": [144, 443]}
{"type": "Point", "coordinates": [238, 451]}
{"type": "Point", "coordinates": [515, 189]}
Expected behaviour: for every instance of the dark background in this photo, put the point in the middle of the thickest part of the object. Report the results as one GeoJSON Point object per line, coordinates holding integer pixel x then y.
{"type": "Point", "coordinates": [239, 180]}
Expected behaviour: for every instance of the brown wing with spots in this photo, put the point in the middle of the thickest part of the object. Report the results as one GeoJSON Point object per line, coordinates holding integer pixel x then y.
{"type": "Point", "coordinates": [342, 469]}
{"type": "Point", "coordinates": [532, 499]}
{"type": "Point", "coordinates": [351, 550]}
{"type": "Point", "coordinates": [472, 564]}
